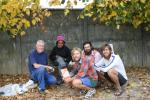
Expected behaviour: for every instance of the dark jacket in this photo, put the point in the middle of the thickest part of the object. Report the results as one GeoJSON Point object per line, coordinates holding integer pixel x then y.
{"type": "Point", "coordinates": [63, 52]}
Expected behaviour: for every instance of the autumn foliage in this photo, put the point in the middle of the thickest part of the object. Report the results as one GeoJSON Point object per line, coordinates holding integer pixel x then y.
{"type": "Point", "coordinates": [120, 12]}
{"type": "Point", "coordinates": [18, 15]}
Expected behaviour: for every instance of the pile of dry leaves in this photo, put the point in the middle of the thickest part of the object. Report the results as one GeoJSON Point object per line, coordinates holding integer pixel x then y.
{"type": "Point", "coordinates": [138, 88]}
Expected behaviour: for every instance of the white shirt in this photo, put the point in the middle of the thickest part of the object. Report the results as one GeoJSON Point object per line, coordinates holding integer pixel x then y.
{"type": "Point", "coordinates": [113, 62]}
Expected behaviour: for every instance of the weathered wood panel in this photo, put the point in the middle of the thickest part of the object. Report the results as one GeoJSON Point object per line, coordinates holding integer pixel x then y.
{"type": "Point", "coordinates": [133, 45]}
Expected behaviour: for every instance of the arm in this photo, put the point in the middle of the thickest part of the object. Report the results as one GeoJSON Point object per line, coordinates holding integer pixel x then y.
{"type": "Point", "coordinates": [34, 62]}
{"type": "Point", "coordinates": [52, 55]}
{"type": "Point", "coordinates": [112, 64]}
{"type": "Point", "coordinates": [74, 71]}
{"type": "Point", "coordinates": [68, 58]}
{"type": "Point", "coordinates": [98, 65]}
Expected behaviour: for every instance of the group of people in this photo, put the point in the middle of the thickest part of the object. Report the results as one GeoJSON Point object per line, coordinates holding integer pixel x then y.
{"type": "Point", "coordinates": [88, 67]}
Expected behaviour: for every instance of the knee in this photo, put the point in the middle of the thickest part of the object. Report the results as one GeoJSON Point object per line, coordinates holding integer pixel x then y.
{"type": "Point", "coordinates": [54, 81]}
{"type": "Point", "coordinates": [75, 83]}
{"type": "Point", "coordinates": [112, 72]}
{"type": "Point", "coordinates": [41, 70]}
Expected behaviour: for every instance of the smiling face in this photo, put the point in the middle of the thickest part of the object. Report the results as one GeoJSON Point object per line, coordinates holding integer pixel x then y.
{"type": "Point", "coordinates": [40, 46]}
{"type": "Point", "coordinates": [76, 56]}
{"type": "Point", "coordinates": [60, 44]}
{"type": "Point", "coordinates": [106, 52]}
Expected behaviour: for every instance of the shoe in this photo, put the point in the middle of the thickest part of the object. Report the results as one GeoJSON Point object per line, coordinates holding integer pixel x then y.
{"type": "Point", "coordinates": [83, 92]}
{"type": "Point", "coordinates": [41, 91]}
{"type": "Point", "coordinates": [90, 93]}
{"type": "Point", "coordinates": [59, 82]}
{"type": "Point", "coordinates": [118, 92]}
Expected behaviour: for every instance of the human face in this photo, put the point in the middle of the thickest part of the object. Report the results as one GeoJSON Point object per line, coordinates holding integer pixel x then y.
{"type": "Point", "coordinates": [106, 53]}
{"type": "Point", "coordinates": [40, 47]}
{"type": "Point", "coordinates": [87, 49]}
{"type": "Point", "coordinates": [76, 56]}
{"type": "Point", "coordinates": [60, 44]}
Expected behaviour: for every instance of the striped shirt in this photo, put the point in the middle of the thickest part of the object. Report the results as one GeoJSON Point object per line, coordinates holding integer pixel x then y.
{"type": "Point", "coordinates": [113, 62]}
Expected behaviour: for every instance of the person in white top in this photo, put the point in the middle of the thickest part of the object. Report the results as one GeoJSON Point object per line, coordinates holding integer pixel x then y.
{"type": "Point", "coordinates": [112, 68]}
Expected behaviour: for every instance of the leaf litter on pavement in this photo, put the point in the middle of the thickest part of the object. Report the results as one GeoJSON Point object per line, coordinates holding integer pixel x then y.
{"type": "Point", "coordinates": [138, 88]}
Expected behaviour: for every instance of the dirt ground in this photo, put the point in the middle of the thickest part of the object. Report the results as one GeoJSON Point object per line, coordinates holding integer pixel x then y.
{"type": "Point", "coordinates": [137, 89]}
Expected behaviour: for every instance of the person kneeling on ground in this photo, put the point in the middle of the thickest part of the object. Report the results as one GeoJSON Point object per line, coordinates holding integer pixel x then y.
{"type": "Point", "coordinates": [84, 75]}
{"type": "Point", "coordinates": [60, 56]}
{"type": "Point", "coordinates": [112, 68]}
{"type": "Point", "coordinates": [38, 63]}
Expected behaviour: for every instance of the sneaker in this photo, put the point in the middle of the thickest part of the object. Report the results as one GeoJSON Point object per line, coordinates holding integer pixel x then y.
{"type": "Point", "coordinates": [90, 93]}
{"type": "Point", "coordinates": [41, 91]}
{"type": "Point", "coordinates": [83, 92]}
{"type": "Point", "coordinates": [59, 82]}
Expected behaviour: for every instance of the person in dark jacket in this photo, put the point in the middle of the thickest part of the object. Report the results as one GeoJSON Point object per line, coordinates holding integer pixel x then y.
{"type": "Point", "coordinates": [61, 54]}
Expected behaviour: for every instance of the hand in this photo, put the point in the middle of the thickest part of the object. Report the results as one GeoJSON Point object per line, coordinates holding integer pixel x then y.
{"type": "Point", "coordinates": [68, 80]}
{"type": "Point", "coordinates": [57, 56]}
{"type": "Point", "coordinates": [71, 63]}
{"type": "Point", "coordinates": [49, 68]}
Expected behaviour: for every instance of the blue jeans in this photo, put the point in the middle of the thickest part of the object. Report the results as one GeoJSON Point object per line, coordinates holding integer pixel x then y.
{"type": "Point", "coordinates": [43, 77]}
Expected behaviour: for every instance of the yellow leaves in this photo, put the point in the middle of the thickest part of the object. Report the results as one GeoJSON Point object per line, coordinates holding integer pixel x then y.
{"type": "Point", "coordinates": [13, 31]}
{"type": "Point", "coordinates": [22, 33]}
{"type": "Point", "coordinates": [47, 14]}
{"type": "Point", "coordinates": [3, 21]}
{"type": "Point", "coordinates": [113, 13]}
{"type": "Point", "coordinates": [147, 28]}
{"type": "Point", "coordinates": [27, 12]}
{"type": "Point", "coordinates": [118, 27]}
{"type": "Point", "coordinates": [54, 2]}
{"type": "Point", "coordinates": [122, 4]}
{"type": "Point", "coordinates": [81, 16]}
{"type": "Point", "coordinates": [120, 12]}
{"type": "Point", "coordinates": [107, 17]}
{"type": "Point", "coordinates": [34, 14]}
{"type": "Point", "coordinates": [89, 14]}
{"type": "Point", "coordinates": [115, 3]}
{"type": "Point", "coordinates": [89, 7]}
{"type": "Point", "coordinates": [136, 22]}
{"type": "Point", "coordinates": [125, 12]}
{"type": "Point", "coordinates": [66, 12]}
{"type": "Point", "coordinates": [34, 7]}
{"type": "Point", "coordinates": [142, 1]}
{"type": "Point", "coordinates": [37, 19]}
{"type": "Point", "coordinates": [101, 5]}
{"type": "Point", "coordinates": [26, 23]}
{"type": "Point", "coordinates": [33, 21]}
{"type": "Point", "coordinates": [94, 19]}
{"type": "Point", "coordinates": [17, 15]}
